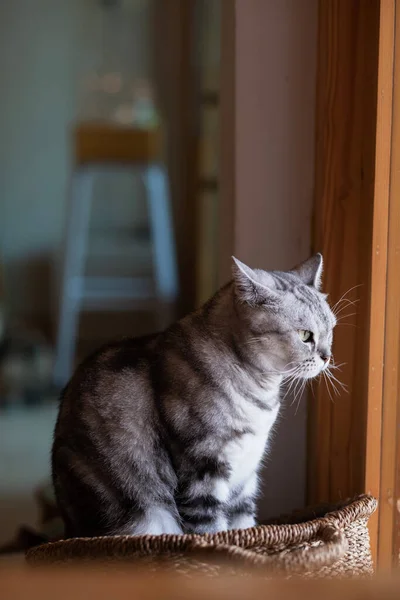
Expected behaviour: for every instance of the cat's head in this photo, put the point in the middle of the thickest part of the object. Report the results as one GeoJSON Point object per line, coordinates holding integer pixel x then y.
{"type": "Point", "coordinates": [286, 320]}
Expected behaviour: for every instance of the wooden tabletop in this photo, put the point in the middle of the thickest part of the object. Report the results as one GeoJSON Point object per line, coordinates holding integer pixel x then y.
{"type": "Point", "coordinates": [17, 583]}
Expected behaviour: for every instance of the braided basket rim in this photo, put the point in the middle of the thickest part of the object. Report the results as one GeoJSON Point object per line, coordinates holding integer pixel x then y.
{"type": "Point", "coordinates": [274, 535]}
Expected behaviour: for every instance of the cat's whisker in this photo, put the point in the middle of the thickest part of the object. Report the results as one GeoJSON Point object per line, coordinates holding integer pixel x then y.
{"type": "Point", "coordinates": [335, 378]}
{"type": "Point", "coordinates": [345, 316]}
{"type": "Point", "coordinates": [338, 367]}
{"type": "Point", "coordinates": [348, 301]}
{"type": "Point", "coordinates": [350, 304]}
{"type": "Point", "coordinates": [332, 379]}
{"type": "Point", "coordinates": [295, 392]}
{"type": "Point", "coordinates": [342, 308]}
{"type": "Point", "coordinates": [335, 389]}
{"type": "Point", "coordinates": [342, 385]}
{"type": "Point", "coordinates": [289, 389]}
{"type": "Point", "coordinates": [301, 396]}
{"type": "Point", "coordinates": [290, 378]}
{"type": "Point", "coordinates": [285, 396]}
{"type": "Point", "coordinates": [327, 386]}
{"type": "Point", "coordinates": [296, 369]}
{"type": "Point", "coordinates": [339, 316]}
{"type": "Point", "coordinates": [292, 362]}
{"type": "Point", "coordinates": [293, 371]}
{"type": "Point", "coordinates": [278, 372]}
{"type": "Point", "coordinates": [344, 296]}
{"type": "Point", "coordinates": [293, 379]}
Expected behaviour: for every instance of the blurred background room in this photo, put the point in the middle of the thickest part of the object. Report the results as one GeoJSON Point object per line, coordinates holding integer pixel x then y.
{"type": "Point", "coordinates": [139, 150]}
{"type": "Point", "coordinates": [109, 191]}
{"type": "Point", "coordinates": [145, 142]}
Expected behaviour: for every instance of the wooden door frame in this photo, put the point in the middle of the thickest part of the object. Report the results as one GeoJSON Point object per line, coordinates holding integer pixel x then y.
{"type": "Point", "coordinates": [353, 443]}
{"type": "Point", "coordinates": [389, 508]}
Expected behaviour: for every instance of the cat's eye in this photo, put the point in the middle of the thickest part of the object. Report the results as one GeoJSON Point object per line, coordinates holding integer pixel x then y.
{"type": "Point", "coordinates": [305, 336]}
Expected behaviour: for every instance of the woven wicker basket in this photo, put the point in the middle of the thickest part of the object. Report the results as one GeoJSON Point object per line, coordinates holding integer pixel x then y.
{"type": "Point", "coordinates": [323, 542]}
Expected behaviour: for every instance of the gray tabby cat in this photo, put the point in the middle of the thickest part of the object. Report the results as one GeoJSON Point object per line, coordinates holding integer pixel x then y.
{"type": "Point", "coordinates": [165, 434]}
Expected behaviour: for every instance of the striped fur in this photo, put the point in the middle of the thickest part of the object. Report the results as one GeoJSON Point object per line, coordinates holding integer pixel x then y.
{"type": "Point", "coordinates": [165, 434]}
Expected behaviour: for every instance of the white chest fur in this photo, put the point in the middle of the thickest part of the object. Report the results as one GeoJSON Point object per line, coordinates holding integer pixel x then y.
{"type": "Point", "coordinates": [244, 453]}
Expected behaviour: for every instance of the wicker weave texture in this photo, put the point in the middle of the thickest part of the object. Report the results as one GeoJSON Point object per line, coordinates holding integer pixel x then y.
{"type": "Point", "coordinates": [322, 542]}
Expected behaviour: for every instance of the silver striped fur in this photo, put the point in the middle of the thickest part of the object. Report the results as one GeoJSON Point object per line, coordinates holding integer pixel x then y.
{"type": "Point", "coordinates": [165, 434]}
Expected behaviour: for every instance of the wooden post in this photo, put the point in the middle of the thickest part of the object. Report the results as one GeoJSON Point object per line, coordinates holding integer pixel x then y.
{"type": "Point", "coordinates": [353, 155]}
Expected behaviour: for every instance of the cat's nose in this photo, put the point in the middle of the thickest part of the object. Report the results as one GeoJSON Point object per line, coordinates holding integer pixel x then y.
{"type": "Point", "coordinates": [325, 357]}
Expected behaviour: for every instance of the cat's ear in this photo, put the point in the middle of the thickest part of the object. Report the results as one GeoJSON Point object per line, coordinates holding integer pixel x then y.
{"type": "Point", "coordinates": [249, 286]}
{"type": "Point", "coordinates": [310, 271]}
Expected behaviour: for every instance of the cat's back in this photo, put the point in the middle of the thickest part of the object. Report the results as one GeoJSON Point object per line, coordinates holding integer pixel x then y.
{"type": "Point", "coordinates": [109, 384]}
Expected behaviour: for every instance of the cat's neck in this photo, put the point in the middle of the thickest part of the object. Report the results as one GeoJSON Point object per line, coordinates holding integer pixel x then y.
{"type": "Point", "coordinates": [220, 325]}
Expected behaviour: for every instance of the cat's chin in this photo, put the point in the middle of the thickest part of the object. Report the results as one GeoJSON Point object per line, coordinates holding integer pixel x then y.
{"type": "Point", "coordinates": [311, 374]}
